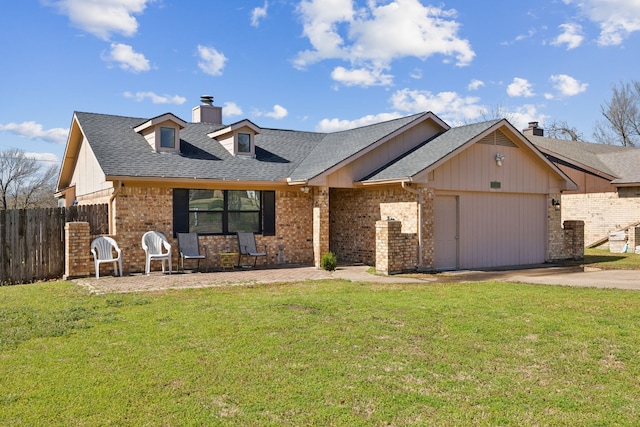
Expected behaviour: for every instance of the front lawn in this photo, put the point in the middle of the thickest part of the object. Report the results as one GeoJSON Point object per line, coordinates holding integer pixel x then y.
{"type": "Point", "coordinates": [320, 353]}
{"type": "Point", "coordinates": [602, 258]}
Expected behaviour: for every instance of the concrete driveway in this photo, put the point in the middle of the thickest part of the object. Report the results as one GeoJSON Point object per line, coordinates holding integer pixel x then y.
{"type": "Point", "coordinates": [544, 275]}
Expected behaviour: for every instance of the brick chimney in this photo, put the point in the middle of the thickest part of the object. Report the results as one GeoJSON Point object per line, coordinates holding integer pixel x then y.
{"type": "Point", "coordinates": [533, 129]}
{"type": "Point", "coordinates": [206, 112]}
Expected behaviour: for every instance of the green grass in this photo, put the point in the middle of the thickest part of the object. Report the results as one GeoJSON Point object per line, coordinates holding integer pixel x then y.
{"type": "Point", "coordinates": [320, 353]}
{"type": "Point", "coordinates": [611, 261]}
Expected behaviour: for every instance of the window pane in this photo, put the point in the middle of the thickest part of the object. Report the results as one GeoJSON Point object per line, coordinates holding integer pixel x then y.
{"type": "Point", "coordinates": [167, 137]}
{"type": "Point", "coordinates": [206, 200]}
{"type": "Point", "coordinates": [205, 222]}
{"type": "Point", "coordinates": [244, 143]}
{"type": "Point", "coordinates": [244, 221]}
{"type": "Point", "coordinates": [245, 200]}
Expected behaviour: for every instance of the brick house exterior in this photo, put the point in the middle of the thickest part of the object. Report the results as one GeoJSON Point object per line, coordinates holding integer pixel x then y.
{"type": "Point", "coordinates": [608, 177]}
{"type": "Point", "coordinates": [371, 195]}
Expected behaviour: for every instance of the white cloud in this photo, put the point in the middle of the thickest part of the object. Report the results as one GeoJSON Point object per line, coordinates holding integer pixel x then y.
{"type": "Point", "coordinates": [231, 109]}
{"type": "Point", "coordinates": [156, 99]}
{"type": "Point", "coordinates": [617, 18]}
{"type": "Point", "coordinates": [520, 87]}
{"type": "Point", "coordinates": [522, 115]}
{"type": "Point", "coordinates": [361, 77]}
{"type": "Point", "coordinates": [567, 85]}
{"type": "Point", "coordinates": [33, 130]}
{"type": "Point", "coordinates": [259, 13]}
{"type": "Point", "coordinates": [369, 37]}
{"type": "Point", "coordinates": [475, 84]}
{"type": "Point", "coordinates": [103, 18]}
{"type": "Point", "coordinates": [446, 105]}
{"type": "Point", "coordinates": [571, 36]}
{"type": "Point", "coordinates": [44, 157]}
{"type": "Point", "coordinates": [128, 59]}
{"type": "Point", "coordinates": [278, 112]}
{"type": "Point", "coordinates": [335, 125]}
{"type": "Point", "coordinates": [211, 61]}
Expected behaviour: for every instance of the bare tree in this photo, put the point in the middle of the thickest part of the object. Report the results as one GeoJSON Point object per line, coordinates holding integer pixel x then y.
{"type": "Point", "coordinates": [561, 130]}
{"type": "Point", "coordinates": [621, 113]}
{"type": "Point", "coordinates": [23, 182]}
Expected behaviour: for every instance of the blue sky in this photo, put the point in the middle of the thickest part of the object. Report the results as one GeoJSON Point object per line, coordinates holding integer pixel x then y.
{"type": "Point", "coordinates": [317, 65]}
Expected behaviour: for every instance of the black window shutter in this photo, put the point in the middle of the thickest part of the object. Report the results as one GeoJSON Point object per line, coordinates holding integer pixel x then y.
{"type": "Point", "coordinates": [180, 211]}
{"type": "Point", "coordinates": [268, 213]}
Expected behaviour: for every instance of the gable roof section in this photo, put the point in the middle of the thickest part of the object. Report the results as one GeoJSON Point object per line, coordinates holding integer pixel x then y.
{"type": "Point", "coordinates": [340, 147]}
{"type": "Point", "coordinates": [442, 147]}
{"type": "Point", "coordinates": [233, 127]}
{"type": "Point", "coordinates": [615, 163]}
{"type": "Point", "coordinates": [428, 153]}
{"type": "Point", "coordinates": [166, 117]}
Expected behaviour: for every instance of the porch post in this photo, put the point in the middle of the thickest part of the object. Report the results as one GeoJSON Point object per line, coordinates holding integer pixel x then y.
{"type": "Point", "coordinates": [320, 223]}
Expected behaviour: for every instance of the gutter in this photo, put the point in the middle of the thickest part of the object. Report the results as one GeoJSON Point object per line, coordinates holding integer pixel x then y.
{"type": "Point", "coordinates": [111, 211]}
{"type": "Point", "coordinates": [420, 203]}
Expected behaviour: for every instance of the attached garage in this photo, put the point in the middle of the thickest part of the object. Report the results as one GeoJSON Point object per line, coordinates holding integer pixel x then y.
{"type": "Point", "coordinates": [474, 230]}
{"type": "Point", "coordinates": [486, 196]}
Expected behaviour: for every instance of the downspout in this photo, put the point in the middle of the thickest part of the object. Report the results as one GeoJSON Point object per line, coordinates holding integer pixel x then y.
{"type": "Point", "coordinates": [420, 203]}
{"type": "Point", "coordinates": [111, 212]}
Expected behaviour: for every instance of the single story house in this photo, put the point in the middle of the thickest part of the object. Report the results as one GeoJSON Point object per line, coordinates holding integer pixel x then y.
{"type": "Point", "coordinates": [608, 179]}
{"type": "Point", "coordinates": [480, 195]}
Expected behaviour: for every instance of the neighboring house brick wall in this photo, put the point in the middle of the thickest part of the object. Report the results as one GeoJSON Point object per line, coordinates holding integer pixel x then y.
{"type": "Point", "coordinates": [602, 213]}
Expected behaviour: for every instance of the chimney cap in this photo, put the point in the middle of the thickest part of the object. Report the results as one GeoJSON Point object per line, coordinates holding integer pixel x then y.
{"type": "Point", "coordinates": [206, 100]}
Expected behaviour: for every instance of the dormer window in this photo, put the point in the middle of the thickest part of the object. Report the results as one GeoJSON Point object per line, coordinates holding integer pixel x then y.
{"type": "Point", "coordinates": [244, 143]}
{"type": "Point", "coordinates": [162, 133]}
{"type": "Point", "coordinates": [238, 139]}
{"type": "Point", "coordinates": [167, 137]}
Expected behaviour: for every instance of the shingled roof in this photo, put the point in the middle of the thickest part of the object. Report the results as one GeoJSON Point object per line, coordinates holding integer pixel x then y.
{"type": "Point", "coordinates": [280, 154]}
{"type": "Point", "coordinates": [429, 152]}
{"type": "Point", "coordinates": [620, 163]}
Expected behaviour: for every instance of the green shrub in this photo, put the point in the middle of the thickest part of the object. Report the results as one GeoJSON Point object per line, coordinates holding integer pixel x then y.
{"type": "Point", "coordinates": [328, 261]}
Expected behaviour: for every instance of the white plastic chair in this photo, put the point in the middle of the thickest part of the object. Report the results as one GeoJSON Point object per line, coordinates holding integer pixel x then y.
{"type": "Point", "coordinates": [153, 243]}
{"type": "Point", "coordinates": [102, 249]}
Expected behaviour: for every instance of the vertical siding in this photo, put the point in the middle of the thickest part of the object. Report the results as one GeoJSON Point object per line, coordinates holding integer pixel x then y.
{"type": "Point", "coordinates": [380, 156]}
{"type": "Point", "coordinates": [502, 229]}
{"type": "Point", "coordinates": [475, 168]}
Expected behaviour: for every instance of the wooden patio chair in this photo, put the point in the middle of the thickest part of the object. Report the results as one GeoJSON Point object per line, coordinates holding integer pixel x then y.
{"type": "Point", "coordinates": [190, 249]}
{"type": "Point", "coordinates": [154, 244]}
{"type": "Point", "coordinates": [103, 251]}
{"type": "Point", "coordinates": [247, 247]}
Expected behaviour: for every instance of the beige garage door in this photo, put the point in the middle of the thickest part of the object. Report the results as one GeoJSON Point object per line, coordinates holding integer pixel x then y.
{"type": "Point", "coordinates": [498, 229]}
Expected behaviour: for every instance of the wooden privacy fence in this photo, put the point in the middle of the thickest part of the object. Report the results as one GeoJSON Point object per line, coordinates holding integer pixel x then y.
{"type": "Point", "coordinates": [32, 240]}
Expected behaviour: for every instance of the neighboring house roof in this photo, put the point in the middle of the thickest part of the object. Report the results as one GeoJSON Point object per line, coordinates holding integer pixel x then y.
{"type": "Point", "coordinates": [618, 164]}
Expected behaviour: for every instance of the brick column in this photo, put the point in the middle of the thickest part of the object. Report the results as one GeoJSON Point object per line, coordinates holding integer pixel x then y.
{"type": "Point", "coordinates": [574, 240]}
{"type": "Point", "coordinates": [320, 223]}
{"type": "Point", "coordinates": [555, 232]}
{"type": "Point", "coordinates": [77, 250]}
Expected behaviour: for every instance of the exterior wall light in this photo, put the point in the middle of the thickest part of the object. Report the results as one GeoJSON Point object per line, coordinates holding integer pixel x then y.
{"type": "Point", "coordinates": [499, 159]}
{"type": "Point", "coordinates": [304, 189]}
{"type": "Point", "coordinates": [556, 204]}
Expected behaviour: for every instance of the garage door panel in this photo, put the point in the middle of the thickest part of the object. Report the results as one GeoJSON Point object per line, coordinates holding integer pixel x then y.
{"type": "Point", "coordinates": [501, 229]}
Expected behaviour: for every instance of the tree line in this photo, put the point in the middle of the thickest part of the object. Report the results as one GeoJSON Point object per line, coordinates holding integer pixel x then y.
{"type": "Point", "coordinates": [25, 182]}
{"type": "Point", "coordinates": [620, 122]}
